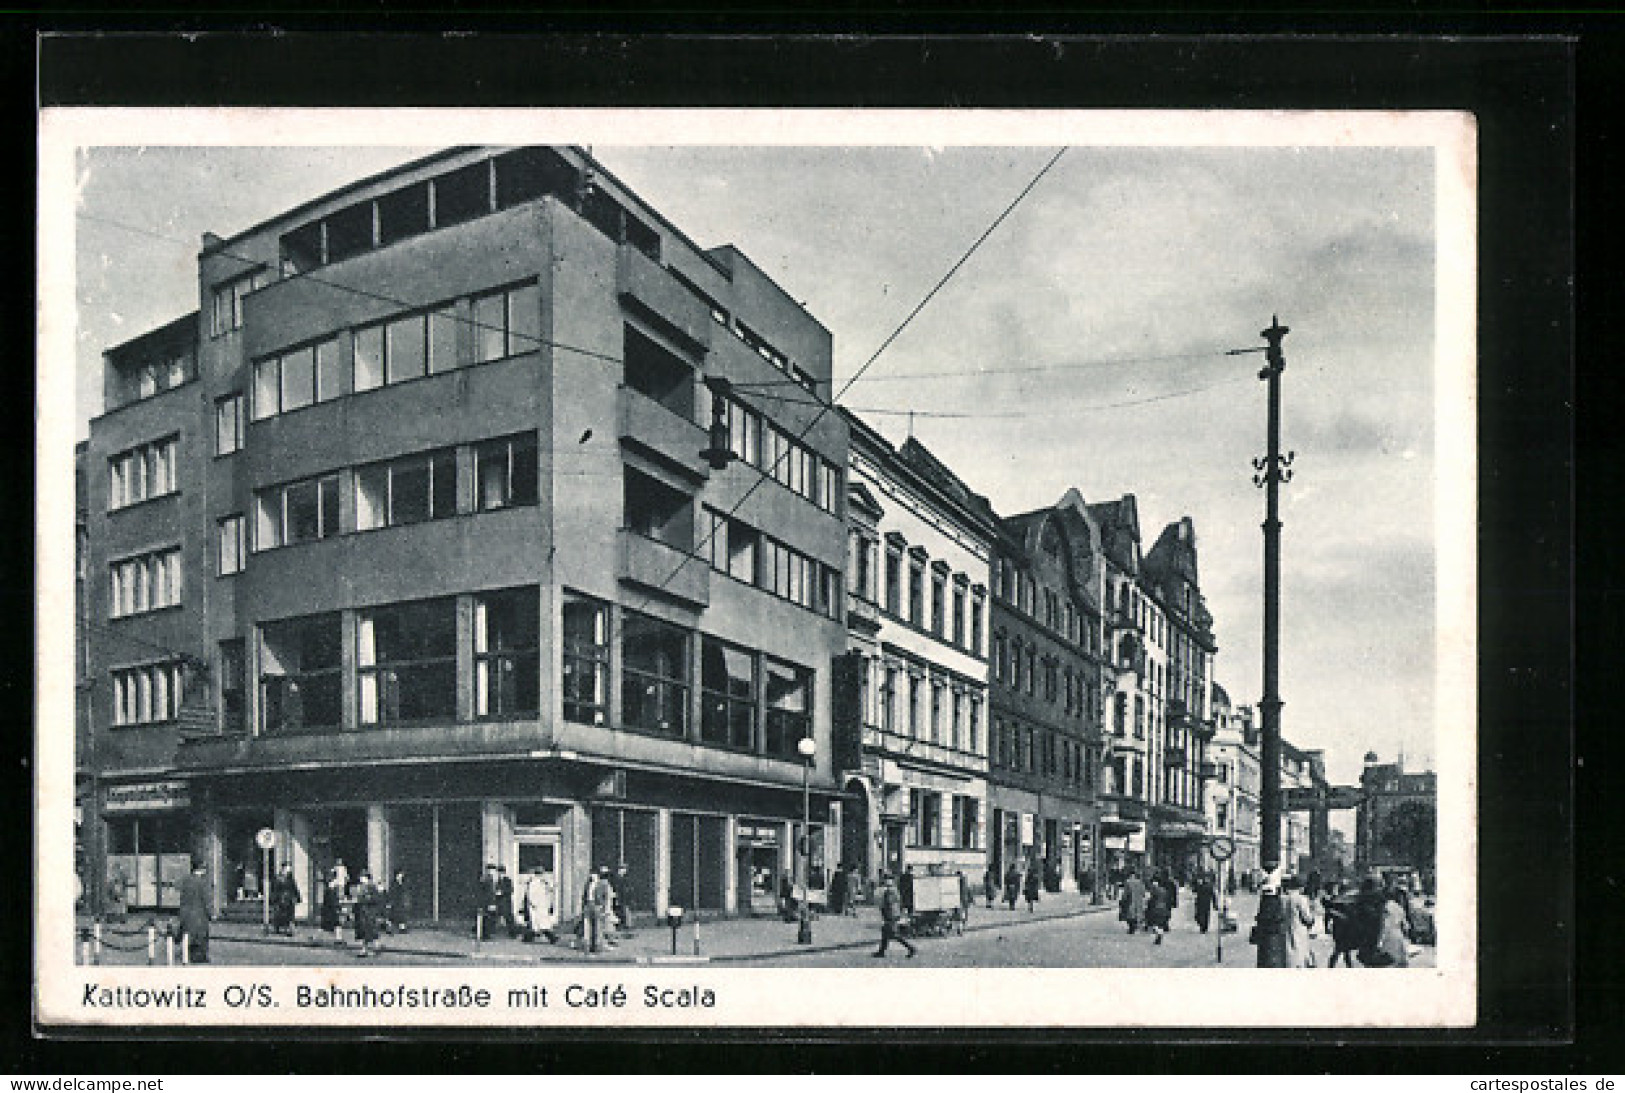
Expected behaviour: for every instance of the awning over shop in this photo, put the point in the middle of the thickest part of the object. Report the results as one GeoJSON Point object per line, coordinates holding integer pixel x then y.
{"type": "Point", "coordinates": [1180, 829]}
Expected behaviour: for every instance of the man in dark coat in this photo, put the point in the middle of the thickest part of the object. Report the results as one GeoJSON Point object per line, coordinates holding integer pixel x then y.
{"type": "Point", "coordinates": [837, 891]}
{"type": "Point", "coordinates": [1206, 898]}
{"type": "Point", "coordinates": [367, 902]}
{"type": "Point", "coordinates": [489, 914]}
{"type": "Point", "coordinates": [891, 911]}
{"type": "Point", "coordinates": [1032, 887]}
{"type": "Point", "coordinates": [195, 914]}
{"type": "Point", "coordinates": [285, 899]}
{"type": "Point", "coordinates": [1131, 906]}
{"type": "Point", "coordinates": [504, 894]}
{"type": "Point", "coordinates": [1012, 885]}
{"type": "Point", "coordinates": [905, 889]}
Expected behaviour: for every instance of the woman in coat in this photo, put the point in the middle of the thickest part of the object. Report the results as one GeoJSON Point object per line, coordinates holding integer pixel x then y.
{"type": "Point", "coordinates": [1158, 909]}
{"type": "Point", "coordinates": [539, 906]}
{"type": "Point", "coordinates": [1206, 899]}
{"type": "Point", "coordinates": [284, 900]}
{"type": "Point", "coordinates": [1131, 905]}
{"type": "Point", "coordinates": [195, 915]}
{"type": "Point", "coordinates": [1032, 887]}
{"type": "Point", "coordinates": [1300, 922]}
{"type": "Point", "coordinates": [367, 906]}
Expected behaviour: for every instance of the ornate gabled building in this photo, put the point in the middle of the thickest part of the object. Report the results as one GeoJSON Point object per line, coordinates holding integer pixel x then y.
{"type": "Point", "coordinates": [1047, 693]}
{"type": "Point", "coordinates": [1181, 640]}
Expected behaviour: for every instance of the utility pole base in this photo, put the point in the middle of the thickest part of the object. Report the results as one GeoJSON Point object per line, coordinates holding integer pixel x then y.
{"type": "Point", "coordinates": [1271, 927]}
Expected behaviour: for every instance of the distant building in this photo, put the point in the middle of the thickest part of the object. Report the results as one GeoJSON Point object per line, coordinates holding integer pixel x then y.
{"type": "Point", "coordinates": [1233, 798]}
{"type": "Point", "coordinates": [1396, 829]}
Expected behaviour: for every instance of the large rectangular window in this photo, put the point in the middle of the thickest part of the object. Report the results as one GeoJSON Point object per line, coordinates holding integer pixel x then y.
{"type": "Point", "coordinates": [142, 473]}
{"type": "Point", "coordinates": [654, 675]}
{"type": "Point", "coordinates": [406, 491]}
{"type": "Point", "coordinates": [728, 696]}
{"type": "Point", "coordinates": [507, 653]}
{"type": "Point", "coordinates": [299, 512]}
{"type": "Point", "coordinates": [148, 694]}
{"type": "Point", "coordinates": [146, 583]}
{"type": "Point", "coordinates": [507, 323]}
{"type": "Point", "coordinates": [300, 668]}
{"type": "Point", "coordinates": [406, 660]}
{"type": "Point", "coordinates": [506, 472]}
{"type": "Point", "coordinates": [296, 379]}
{"type": "Point", "coordinates": [585, 660]}
{"type": "Point", "coordinates": [789, 708]}
{"type": "Point", "coordinates": [894, 577]}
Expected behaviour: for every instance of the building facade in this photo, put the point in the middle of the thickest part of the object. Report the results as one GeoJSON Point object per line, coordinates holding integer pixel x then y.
{"type": "Point", "coordinates": [1233, 793]}
{"type": "Point", "coordinates": [916, 760]}
{"type": "Point", "coordinates": [403, 549]}
{"type": "Point", "coordinates": [1397, 822]}
{"type": "Point", "coordinates": [1048, 687]}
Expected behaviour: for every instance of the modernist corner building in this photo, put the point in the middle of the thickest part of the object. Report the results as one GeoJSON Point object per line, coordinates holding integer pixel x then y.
{"type": "Point", "coordinates": [402, 546]}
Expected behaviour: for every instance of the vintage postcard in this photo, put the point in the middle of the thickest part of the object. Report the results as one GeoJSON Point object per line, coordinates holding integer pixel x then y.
{"type": "Point", "coordinates": [827, 569]}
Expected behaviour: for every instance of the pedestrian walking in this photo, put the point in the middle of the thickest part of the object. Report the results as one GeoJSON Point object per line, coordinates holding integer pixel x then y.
{"type": "Point", "coordinates": [1206, 900]}
{"type": "Point", "coordinates": [620, 884]}
{"type": "Point", "coordinates": [195, 914]}
{"type": "Point", "coordinates": [1388, 947]}
{"type": "Point", "coordinates": [1032, 887]}
{"type": "Point", "coordinates": [333, 893]}
{"type": "Point", "coordinates": [891, 912]}
{"type": "Point", "coordinates": [285, 899]}
{"type": "Point", "coordinates": [1131, 905]}
{"type": "Point", "coordinates": [1158, 908]}
{"type": "Point", "coordinates": [367, 908]}
{"type": "Point", "coordinates": [597, 907]}
{"type": "Point", "coordinates": [990, 886]}
{"type": "Point", "coordinates": [505, 901]}
{"type": "Point", "coordinates": [1012, 886]}
{"type": "Point", "coordinates": [1300, 924]}
{"type": "Point", "coordinates": [966, 899]}
{"type": "Point", "coordinates": [854, 890]}
{"type": "Point", "coordinates": [399, 907]}
{"type": "Point", "coordinates": [539, 906]}
{"type": "Point", "coordinates": [837, 891]}
{"type": "Point", "coordinates": [1343, 924]}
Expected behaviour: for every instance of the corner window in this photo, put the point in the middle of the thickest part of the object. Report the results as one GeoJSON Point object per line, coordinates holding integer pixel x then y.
{"type": "Point", "coordinates": [227, 312]}
{"type": "Point", "coordinates": [585, 660]}
{"type": "Point", "coordinates": [507, 653]}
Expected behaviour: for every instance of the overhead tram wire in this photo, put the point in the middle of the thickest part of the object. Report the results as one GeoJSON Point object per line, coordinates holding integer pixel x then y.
{"type": "Point", "coordinates": [825, 408]}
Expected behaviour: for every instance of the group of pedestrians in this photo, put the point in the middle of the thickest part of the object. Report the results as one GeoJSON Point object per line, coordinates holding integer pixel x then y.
{"type": "Point", "coordinates": [528, 911]}
{"type": "Point", "coordinates": [1373, 925]}
{"type": "Point", "coordinates": [1018, 884]}
{"type": "Point", "coordinates": [1149, 906]}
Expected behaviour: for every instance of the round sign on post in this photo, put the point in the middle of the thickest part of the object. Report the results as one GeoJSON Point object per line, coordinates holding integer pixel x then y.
{"type": "Point", "coordinates": [265, 839]}
{"type": "Point", "coordinates": [1222, 847]}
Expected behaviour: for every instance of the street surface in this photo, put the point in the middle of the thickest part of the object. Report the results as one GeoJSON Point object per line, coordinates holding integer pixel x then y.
{"type": "Point", "coordinates": [1066, 932]}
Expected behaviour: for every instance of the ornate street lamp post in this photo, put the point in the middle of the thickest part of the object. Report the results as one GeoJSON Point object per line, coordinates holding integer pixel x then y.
{"type": "Point", "coordinates": [808, 748]}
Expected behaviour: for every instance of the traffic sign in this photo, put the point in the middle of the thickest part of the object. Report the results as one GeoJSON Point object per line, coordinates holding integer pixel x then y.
{"type": "Point", "coordinates": [1316, 798]}
{"type": "Point", "coordinates": [1222, 847]}
{"type": "Point", "coordinates": [265, 839]}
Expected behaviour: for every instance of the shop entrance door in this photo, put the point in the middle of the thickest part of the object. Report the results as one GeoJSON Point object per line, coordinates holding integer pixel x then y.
{"type": "Point", "coordinates": [894, 849]}
{"type": "Point", "coordinates": [758, 864]}
{"type": "Point", "coordinates": [535, 851]}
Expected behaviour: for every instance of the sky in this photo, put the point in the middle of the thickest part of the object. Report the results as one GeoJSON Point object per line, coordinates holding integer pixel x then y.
{"type": "Point", "coordinates": [1081, 346]}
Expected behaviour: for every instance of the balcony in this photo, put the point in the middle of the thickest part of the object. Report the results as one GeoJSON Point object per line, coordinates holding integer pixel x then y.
{"type": "Point", "coordinates": [658, 295]}
{"type": "Point", "coordinates": [1179, 714]}
{"type": "Point", "coordinates": [660, 432]}
{"type": "Point", "coordinates": [862, 614]}
{"type": "Point", "coordinates": [1173, 757]}
{"type": "Point", "coordinates": [663, 568]}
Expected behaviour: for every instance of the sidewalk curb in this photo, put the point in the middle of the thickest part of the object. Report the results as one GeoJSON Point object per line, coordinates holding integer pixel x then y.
{"type": "Point", "coordinates": [575, 956]}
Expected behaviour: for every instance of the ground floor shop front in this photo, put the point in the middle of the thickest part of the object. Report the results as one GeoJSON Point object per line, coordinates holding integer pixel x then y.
{"type": "Point", "coordinates": [710, 846]}
{"type": "Point", "coordinates": [1177, 843]}
{"type": "Point", "coordinates": [1057, 835]}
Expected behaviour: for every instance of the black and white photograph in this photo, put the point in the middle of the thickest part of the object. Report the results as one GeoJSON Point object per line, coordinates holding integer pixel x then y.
{"type": "Point", "coordinates": [827, 568]}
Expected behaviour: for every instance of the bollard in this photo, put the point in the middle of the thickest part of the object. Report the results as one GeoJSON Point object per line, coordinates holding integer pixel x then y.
{"type": "Point", "coordinates": [479, 931]}
{"type": "Point", "coordinates": [84, 951]}
{"type": "Point", "coordinates": [186, 949]}
{"type": "Point", "coordinates": [696, 935]}
{"type": "Point", "coordinates": [169, 949]}
{"type": "Point", "coordinates": [152, 943]}
{"type": "Point", "coordinates": [96, 937]}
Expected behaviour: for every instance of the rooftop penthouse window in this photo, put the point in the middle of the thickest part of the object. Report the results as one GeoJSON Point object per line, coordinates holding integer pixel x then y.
{"type": "Point", "coordinates": [153, 375]}
{"type": "Point", "coordinates": [463, 194]}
